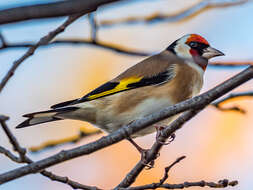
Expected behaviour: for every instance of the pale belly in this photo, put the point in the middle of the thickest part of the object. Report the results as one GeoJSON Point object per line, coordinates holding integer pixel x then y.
{"type": "Point", "coordinates": [107, 121]}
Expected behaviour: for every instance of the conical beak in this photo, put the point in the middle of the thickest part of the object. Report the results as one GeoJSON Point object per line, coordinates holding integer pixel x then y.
{"type": "Point", "coordinates": [211, 52]}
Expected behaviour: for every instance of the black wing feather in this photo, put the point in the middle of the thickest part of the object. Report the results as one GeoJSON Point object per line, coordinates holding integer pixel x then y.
{"type": "Point", "coordinates": [146, 81]}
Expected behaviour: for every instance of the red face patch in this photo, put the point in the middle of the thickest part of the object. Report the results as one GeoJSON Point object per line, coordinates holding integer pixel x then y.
{"type": "Point", "coordinates": [197, 38]}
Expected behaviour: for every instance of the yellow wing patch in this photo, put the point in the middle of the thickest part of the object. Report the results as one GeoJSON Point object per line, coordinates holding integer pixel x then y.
{"type": "Point", "coordinates": [123, 85]}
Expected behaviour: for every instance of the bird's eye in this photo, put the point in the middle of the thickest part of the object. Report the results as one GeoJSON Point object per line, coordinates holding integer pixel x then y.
{"type": "Point", "coordinates": [193, 44]}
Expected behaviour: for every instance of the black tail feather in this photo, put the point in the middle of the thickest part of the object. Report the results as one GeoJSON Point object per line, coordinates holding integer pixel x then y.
{"type": "Point", "coordinates": [43, 117]}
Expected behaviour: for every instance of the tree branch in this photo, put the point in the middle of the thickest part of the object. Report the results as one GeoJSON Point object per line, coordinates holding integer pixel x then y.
{"type": "Point", "coordinates": [10, 155]}
{"type": "Point", "coordinates": [184, 14]}
{"type": "Point", "coordinates": [197, 102]}
{"type": "Point", "coordinates": [45, 40]}
{"type": "Point", "coordinates": [61, 8]}
{"type": "Point", "coordinates": [24, 159]}
{"type": "Point", "coordinates": [96, 43]}
{"type": "Point", "coordinates": [167, 169]}
{"type": "Point", "coordinates": [16, 147]}
{"type": "Point", "coordinates": [221, 184]}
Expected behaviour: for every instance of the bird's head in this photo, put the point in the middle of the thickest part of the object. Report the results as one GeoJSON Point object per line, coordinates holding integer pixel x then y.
{"type": "Point", "coordinates": [193, 46]}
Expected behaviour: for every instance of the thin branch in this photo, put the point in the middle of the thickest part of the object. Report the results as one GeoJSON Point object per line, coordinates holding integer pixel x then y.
{"type": "Point", "coordinates": [16, 147]}
{"type": "Point", "coordinates": [24, 159]}
{"type": "Point", "coordinates": [2, 39]}
{"type": "Point", "coordinates": [197, 102]}
{"type": "Point", "coordinates": [184, 14]}
{"type": "Point", "coordinates": [167, 169]}
{"type": "Point", "coordinates": [10, 155]}
{"type": "Point", "coordinates": [61, 8]}
{"type": "Point", "coordinates": [220, 184]}
{"type": "Point", "coordinates": [74, 139]}
{"type": "Point", "coordinates": [44, 40]}
{"type": "Point", "coordinates": [219, 103]}
{"type": "Point", "coordinates": [104, 45]}
{"type": "Point", "coordinates": [231, 63]}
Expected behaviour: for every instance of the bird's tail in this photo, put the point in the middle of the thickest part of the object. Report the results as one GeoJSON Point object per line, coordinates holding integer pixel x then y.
{"type": "Point", "coordinates": [44, 116]}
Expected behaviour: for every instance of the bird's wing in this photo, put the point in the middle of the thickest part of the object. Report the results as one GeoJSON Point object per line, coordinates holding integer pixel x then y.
{"type": "Point", "coordinates": [155, 70]}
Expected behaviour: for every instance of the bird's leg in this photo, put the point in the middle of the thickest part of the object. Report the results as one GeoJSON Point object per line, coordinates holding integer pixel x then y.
{"type": "Point", "coordinates": [143, 154]}
{"type": "Point", "coordinates": [158, 134]}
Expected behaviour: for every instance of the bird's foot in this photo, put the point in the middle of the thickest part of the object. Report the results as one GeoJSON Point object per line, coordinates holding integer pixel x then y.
{"type": "Point", "coordinates": [158, 134]}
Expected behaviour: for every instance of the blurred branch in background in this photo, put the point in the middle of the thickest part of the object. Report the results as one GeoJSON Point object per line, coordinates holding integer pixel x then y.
{"type": "Point", "coordinates": [49, 10]}
{"type": "Point", "coordinates": [230, 98]}
{"type": "Point", "coordinates": [66, 8]}
{"type": "Point", "coordinates": [22, 158]}
{"type": "Point", "coordinates": [83, 133]}
{"type": "Point", "coordinates": [181, 15]}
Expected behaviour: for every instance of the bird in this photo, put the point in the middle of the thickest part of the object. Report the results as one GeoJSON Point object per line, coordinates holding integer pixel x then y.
{"type": "Point", "coordinates": [161, 80]}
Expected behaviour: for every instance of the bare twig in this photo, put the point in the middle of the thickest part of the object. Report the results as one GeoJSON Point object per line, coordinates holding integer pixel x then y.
{"type": "Point", "coordinates": [219, 103]}
{"type": "Point", "coordinates": [24, 159]}
{"type": "Point", "coordinates": [104, 45]}
{"type": "Point", "coordinates": [221, 184]}
{"type": "Point", "coordinates": [184, 14]}
{"type": "Point", "coordinates": [167, 169]}
{"type": "Point", "coordinates": [10, 155]}
{"type": "Point", "coordinates": [231, 63]}
{"type": "Point", "coordinates": [197, 102]}
{"type": "Point", "coordinates": [16, 147]}
{"type": "Point", "coordinates": [61, 8]}
{"type": "Point", "coordinates": [45, 40]}
{"type": "Point", "coordinates": [73, 139]}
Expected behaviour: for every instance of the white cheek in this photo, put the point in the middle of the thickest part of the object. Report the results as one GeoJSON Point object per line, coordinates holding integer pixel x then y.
{"type": "Point", "coordinates": [183, 51]}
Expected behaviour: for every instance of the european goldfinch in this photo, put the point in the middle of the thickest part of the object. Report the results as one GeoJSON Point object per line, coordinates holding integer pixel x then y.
{"type": "Point", "coordinates": [157, 82]}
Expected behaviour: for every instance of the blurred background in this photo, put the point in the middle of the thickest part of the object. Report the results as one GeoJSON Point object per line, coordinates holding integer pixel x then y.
{"type": "Point", "coordinates": [217, 144]}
